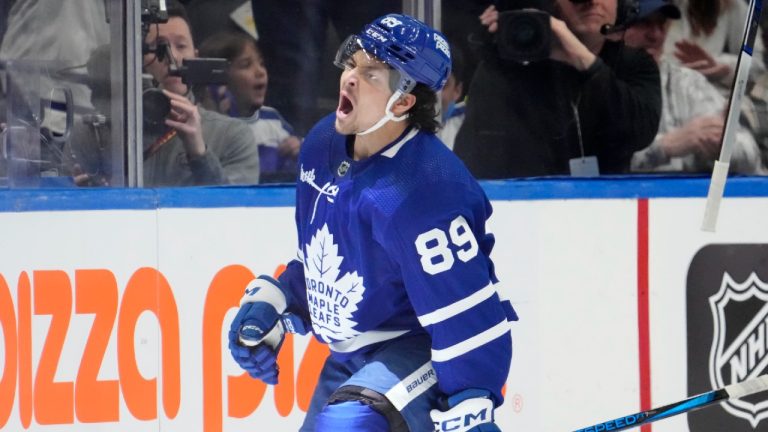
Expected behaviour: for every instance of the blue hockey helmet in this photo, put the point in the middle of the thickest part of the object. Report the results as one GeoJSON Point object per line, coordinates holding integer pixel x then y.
{"type": "Point", "coordinates": [418, 52]}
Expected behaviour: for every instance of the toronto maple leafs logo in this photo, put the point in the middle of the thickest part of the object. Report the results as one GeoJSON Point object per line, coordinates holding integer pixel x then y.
{"type": "Point", "coordinates": [332, 299]}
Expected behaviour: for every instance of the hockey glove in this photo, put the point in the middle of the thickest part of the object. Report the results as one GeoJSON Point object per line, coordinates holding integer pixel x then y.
{"type": "Point", "coordinates": [257, 332]}
{"type": "Point", "coordinates": [470, 410]}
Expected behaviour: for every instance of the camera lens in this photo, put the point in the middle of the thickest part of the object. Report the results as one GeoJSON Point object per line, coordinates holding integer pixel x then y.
{"type": "Point", "coordinates": [156, 106]}
{"type": "Point", "coordinates": [524, 35]}
{"type": "Point", "coordinates": [527, 33]}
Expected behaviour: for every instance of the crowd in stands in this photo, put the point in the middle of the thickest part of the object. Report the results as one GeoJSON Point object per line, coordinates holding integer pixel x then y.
{"type": "Point", "coordinates": [606, 87]}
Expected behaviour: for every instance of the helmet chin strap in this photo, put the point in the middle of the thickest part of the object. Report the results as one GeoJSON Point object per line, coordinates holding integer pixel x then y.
{"type": "Point", "coordinates": [388, 115]}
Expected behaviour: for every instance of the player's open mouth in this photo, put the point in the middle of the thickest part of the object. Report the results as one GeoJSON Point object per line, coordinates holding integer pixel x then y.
{"type": "Point", "coordinates": [345, 106]}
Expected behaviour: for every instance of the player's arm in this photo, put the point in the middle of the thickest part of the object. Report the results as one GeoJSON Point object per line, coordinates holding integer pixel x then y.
{"type": "Point", "coordinates": [440, 242]}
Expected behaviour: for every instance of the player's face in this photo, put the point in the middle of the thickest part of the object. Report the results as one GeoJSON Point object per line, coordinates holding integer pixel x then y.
{"type": "Point", "coordinates": [248, 79]}
{"type": "Point", "coordinates": [586, 18]}
{"type": "Point", "coordinates": [364, 92]}
{"type": "Point", "coordinates": [176, 33]}
{"type": "Point", "coordinates": [649, 34]}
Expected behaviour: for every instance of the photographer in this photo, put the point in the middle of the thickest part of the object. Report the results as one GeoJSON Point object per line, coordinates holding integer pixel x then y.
{"type": "Point", "coordinates": [191, 146]}
{"type": "Point", "coordinates": [558, 99]}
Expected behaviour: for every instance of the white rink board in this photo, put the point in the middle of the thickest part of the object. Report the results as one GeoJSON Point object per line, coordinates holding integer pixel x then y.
{"type": "Point", "coordinates": [569, 267]}
{"type": "Point", "coordinates": [675, 238]}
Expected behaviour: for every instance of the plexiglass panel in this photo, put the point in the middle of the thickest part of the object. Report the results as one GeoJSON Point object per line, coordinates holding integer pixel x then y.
{"type": "Point", "coordinates": [60, 93]}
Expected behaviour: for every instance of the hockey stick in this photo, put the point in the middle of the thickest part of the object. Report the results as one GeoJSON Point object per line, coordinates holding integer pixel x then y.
{"type": "Point", "coordinates": [720, 171]}
{"type": "Point", "coordinates": [733, 391]}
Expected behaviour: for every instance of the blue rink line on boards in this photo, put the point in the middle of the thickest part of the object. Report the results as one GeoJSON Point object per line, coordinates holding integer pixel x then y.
{"type": "Point", "coordinates": [620, 187]}
{"type": "Point", "coordinates": [545, 188]}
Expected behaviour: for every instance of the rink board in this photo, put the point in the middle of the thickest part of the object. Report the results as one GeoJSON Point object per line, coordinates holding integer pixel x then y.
{"type": "Point", "coordinates": [114, 308]}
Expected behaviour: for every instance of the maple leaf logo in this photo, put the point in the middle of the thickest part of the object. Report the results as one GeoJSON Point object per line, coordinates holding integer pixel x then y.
{"type": "Point", "coordinates": [332, 299]}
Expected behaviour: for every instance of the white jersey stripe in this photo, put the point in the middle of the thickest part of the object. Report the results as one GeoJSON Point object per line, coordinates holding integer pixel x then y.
{"type": "Point", "coordinates": [364, 339]}
{"type": "Point", "coordinates": [412, 386]}
{"type": "Point", "coordinates": [468, 345]}
{"type": "Point", "coordinates": [392, 151]}
{"type": "Point", "coordinates": [458, 307]}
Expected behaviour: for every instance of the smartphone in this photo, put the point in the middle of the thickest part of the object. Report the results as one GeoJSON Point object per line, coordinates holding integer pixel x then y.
{"type": "Point", "coordinates": [203, 71]}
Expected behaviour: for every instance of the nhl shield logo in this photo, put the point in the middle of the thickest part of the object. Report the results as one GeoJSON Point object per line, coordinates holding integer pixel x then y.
{"type": "Point", "coordinates": [740, 341]}
{"type": "Point", "coordinates": [343, 168]}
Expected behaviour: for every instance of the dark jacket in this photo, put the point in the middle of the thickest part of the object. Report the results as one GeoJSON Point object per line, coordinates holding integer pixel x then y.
{"type": "Point", "coordinates": [521, 120]}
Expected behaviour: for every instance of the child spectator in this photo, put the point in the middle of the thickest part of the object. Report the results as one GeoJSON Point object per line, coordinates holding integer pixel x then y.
{"type": "Point", "coordinates": [452, 99]}
{"type": "Point", "coordinates": [243, 97]}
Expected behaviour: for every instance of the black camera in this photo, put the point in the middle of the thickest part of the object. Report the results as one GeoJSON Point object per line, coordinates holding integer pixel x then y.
{"type": "Point", "coordinates": [525, 32]}
{"type": "Point", "coordinates": [156, 107]}
{"type": "Point", "coordinates": [154, 12]}
{"type": "Point", "coordinates": [524, 36]}
{"type": "Point", "coordinates": [195, 71]}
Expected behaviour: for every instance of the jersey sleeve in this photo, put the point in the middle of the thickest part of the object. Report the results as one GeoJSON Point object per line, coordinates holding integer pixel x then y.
{"type": "Point", "coordinates": [292, 280]}
{"type": "Point", "coordinates": [437, 235]}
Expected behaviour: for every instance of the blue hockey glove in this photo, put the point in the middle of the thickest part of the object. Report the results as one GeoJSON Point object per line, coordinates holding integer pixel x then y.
{"type": "Point", "coordinates": [257, 332]}
{"type": "Point", "coordinates": [470, 410]}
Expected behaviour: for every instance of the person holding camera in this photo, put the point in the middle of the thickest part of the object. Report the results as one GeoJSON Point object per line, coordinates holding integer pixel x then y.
{"type": "Point", "coordinates": [556, 93]}
{"type": "Point", "coordinates": [191, 145]}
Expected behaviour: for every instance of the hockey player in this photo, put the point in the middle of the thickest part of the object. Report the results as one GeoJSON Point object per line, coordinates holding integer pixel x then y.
{"type": "Point", "coordinates": [393, 268]}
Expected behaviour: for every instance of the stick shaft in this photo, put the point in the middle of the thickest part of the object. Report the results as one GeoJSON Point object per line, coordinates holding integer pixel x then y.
{"type": "Point", "coordinates": [733, 391]}
{"type": "Point", "coordinates": [720, 172]}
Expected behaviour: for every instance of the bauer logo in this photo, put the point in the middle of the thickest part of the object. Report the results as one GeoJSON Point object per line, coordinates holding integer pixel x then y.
{"type": "Point", "coordinates": [727, 322]}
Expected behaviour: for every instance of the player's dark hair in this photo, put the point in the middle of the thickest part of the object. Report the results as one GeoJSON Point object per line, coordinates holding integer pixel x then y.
{"type": "Point", "coordinates": [423, 114]}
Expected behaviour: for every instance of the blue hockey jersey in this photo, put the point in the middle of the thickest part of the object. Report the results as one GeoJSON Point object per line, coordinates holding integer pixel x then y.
{"type": "Point", "coordinates": [395, 245]}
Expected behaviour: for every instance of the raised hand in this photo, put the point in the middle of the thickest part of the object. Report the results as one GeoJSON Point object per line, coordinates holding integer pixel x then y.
{"type": "Point", "coordinates": [693, 56]}
{"type": "Point", "coordinates": [185, 118]}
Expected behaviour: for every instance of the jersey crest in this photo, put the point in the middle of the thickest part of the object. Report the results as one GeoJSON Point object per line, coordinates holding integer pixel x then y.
{"type": "Point", "coordinates": [332, 297]}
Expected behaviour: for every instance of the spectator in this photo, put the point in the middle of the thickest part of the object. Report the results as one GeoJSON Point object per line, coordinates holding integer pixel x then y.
{"type": "Point", "coordinates": [452, 99]}
{"type": "Point", "coordinates": [756, 107]}
{"type": "Point", "coordinates": [583, 110]}
{"type": "Point", "coordinates": [193, 146]}
{"type": "Point", "coordinates": [244, 98]}
{"type": "Point", "coordinates": [692, 115]}
{"type": "Point", "coordinates": [708, 38]}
